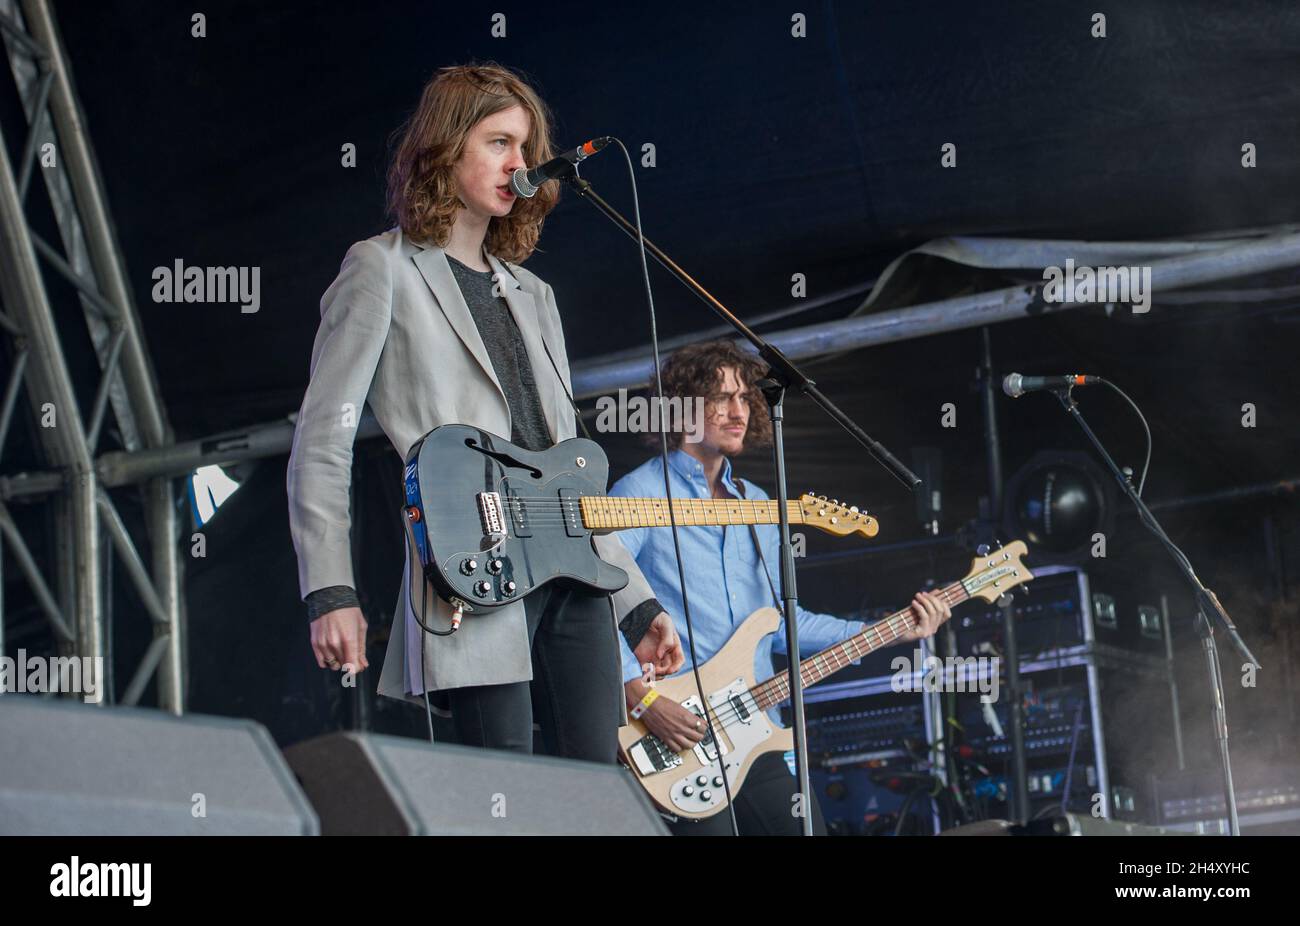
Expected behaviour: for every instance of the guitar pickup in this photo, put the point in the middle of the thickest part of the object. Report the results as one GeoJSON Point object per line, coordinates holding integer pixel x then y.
{"type": "Point", "coordinates": [518, 514]}
{"type": "Point", "coordinates": [706, 750]}
{"type": "Point", "coordinates": [570, 501]}
{"type": "Point", "coordinates": [489, 513]}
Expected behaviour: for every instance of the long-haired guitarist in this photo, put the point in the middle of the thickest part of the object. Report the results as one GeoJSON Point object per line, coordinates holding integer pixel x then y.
{"type": "Point", "coordinates": [434, 322]}
{"type": "Point", "coordinates": [728, 575]}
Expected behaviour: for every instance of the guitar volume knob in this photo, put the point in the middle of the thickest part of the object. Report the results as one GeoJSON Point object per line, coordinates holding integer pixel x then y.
{"type": "Point", "coordinates": [482, 588]}
{"type": "Point", "coordinates": [468, 565]}
{"type": "Point", "coordinates": [494, 566]}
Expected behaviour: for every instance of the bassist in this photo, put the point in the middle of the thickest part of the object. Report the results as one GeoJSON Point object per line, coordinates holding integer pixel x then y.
{"type": "Point", "coordinates": [729, 577]}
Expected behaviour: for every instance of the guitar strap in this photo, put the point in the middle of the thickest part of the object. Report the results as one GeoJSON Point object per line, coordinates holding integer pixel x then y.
{"type": "Point", "coordinates": [758, 547]}
{"type": "Point", "coordinates": [568, 395]}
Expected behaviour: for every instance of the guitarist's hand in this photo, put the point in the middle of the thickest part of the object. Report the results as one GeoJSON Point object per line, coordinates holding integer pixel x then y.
{"type": "Point", "coordinates": [667, 719]}
{"type": "Point", "coordinates": [929, 611]}
{"type": "Point", "coordinates": [338, 638]}
{"type": "Point", "coordinates": [661, 647]}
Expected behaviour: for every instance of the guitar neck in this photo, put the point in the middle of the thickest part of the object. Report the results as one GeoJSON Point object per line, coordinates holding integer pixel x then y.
{"type": "Point", "coordinates": [830, 660]}
{"type": "Point", "coordinates": [614, 513]}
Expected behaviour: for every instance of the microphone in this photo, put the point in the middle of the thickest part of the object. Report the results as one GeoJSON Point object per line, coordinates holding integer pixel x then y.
{"type": "Point", "coordinates": [525, 181]}
{"type": "Point", "coordinates": [1016, 385]}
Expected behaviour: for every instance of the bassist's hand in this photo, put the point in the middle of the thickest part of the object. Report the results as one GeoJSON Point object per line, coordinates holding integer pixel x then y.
{"type": "Point", "coordinates": [929, 611]}
{"type": "Point", "coordinates": [661, 647]}
{"type": "Point", "coordinates": [667, 719]}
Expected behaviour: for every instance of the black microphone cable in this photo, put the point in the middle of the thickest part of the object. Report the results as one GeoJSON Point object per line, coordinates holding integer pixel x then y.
{"type": "Point", "coordinates": [1142, 418]}
{"type": "Point", "coordinates": [668, 493]}
{"type": "Point", "coordinates": [424, 599]}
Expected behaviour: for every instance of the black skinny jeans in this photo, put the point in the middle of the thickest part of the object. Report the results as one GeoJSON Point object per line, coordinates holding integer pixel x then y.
{"type": "Point", "coordinates": [577, 688]}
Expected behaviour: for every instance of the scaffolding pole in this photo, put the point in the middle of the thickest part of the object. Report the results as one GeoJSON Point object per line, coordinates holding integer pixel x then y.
{"type": "Point", "coordinates": [591, 378]}
{"type": "Point", "coordinates": [962, 312]}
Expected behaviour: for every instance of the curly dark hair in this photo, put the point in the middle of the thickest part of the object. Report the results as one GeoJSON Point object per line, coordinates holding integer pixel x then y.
{"type": "Point", "coordinates": [421, 192]}
{"type": "Point", "coordinates": [696, 370]}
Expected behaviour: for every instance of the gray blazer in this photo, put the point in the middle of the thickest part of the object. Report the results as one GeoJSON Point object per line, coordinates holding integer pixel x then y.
{"type": "Point", "coordinates": [396, 332]}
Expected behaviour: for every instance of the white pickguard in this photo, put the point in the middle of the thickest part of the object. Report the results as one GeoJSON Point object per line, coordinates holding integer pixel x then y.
{"type": "Point", "coordinates": [703, 789]}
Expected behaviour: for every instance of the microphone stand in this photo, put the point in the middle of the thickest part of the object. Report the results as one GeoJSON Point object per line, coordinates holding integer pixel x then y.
{"type": "Point", "coordinates": [1207, 604]}
{"type": "Point", "coordinates": [782, 374]}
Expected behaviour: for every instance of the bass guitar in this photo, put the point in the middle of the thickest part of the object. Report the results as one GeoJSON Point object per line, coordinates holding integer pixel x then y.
{"type": "Point", "coordinates": [689, 784]}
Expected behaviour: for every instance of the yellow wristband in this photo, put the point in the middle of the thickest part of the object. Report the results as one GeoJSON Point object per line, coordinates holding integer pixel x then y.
{"type": "Point", "coordinates": [644, 704]}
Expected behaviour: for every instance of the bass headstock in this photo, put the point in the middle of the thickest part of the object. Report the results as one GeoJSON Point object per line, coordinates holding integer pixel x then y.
{"type": "Point", "coordinates": [996, 572]}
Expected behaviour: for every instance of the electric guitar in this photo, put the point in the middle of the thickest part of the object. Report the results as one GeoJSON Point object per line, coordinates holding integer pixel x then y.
{"type": "Point", "coordinates": [492, 522]}
{"type": "Point", "coordinates": [689, 784]}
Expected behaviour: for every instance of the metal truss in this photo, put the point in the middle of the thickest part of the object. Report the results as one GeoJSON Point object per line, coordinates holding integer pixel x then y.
{"type": "Point", "coordinates": [87, 256]}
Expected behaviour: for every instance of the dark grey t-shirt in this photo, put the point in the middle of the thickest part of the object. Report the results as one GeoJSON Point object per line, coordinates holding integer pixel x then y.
{"type": "Point", "coordinates": [505, 347]}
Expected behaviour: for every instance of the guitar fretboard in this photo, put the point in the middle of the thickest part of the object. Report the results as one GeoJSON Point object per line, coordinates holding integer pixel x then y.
{"type": "Point", "coordinates": [830, 660]}
{"type": "Point", "coordinates": [612, 512]}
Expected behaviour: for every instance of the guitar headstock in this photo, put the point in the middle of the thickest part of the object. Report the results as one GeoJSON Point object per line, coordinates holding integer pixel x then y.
{"type": "Point", "coordinates": [832, 517]}
{"type": "Point", "coordinates": [997, 572]}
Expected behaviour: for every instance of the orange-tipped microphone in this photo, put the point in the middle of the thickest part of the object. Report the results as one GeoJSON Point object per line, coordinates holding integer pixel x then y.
{"type": "Point", "coordinates": [525, 181]}
{"type": "Point", "coordinates": [1016, 385]}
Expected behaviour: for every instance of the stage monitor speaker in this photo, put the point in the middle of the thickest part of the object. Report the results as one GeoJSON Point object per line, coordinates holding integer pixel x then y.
{"type": "Point", "coordinates": [69, 769]}
{"type": "Point", "coordinates": [367, 784]}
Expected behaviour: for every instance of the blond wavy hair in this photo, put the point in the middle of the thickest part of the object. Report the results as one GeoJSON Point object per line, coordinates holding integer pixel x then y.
{"type": "Point", "coordinates": [422, 195]}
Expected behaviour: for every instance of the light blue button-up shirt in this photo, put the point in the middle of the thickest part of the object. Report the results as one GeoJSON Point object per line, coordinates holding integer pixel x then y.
{"type": "Point", "coordinates": [724, 576]}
